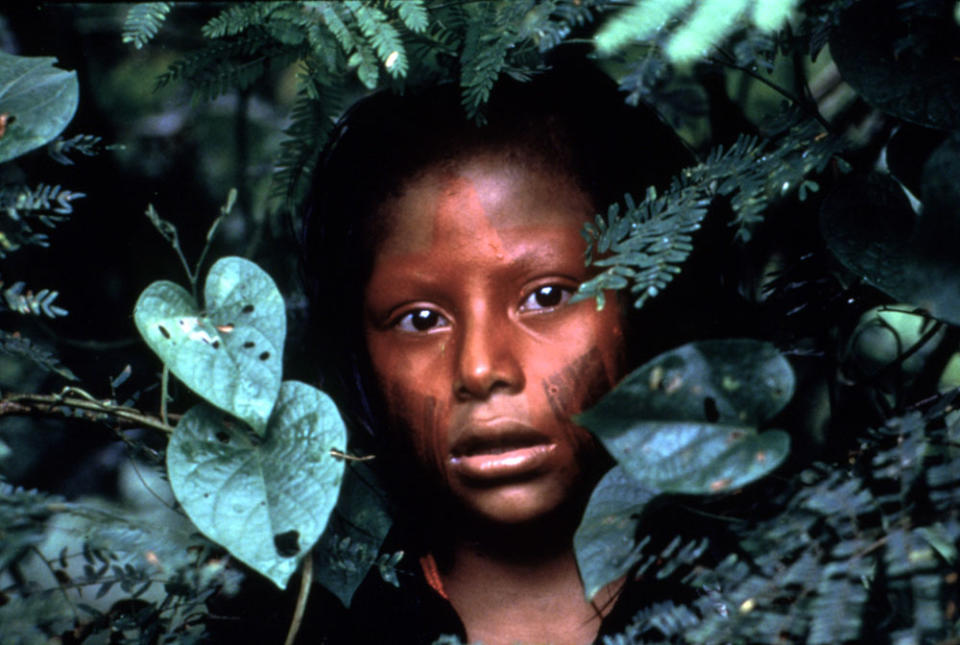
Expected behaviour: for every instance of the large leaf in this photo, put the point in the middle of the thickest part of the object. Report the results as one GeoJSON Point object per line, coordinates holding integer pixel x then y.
{"type": "Point", "coordinates": [871, 228]}
{"type": "Point", "coordinates": [902, 59]}
{"type": "Point", "coordinates": [350, 544]}
{"type": "Point", "coordinates": [604, 542]}
{"type": "Point", "coordinates": [682, 423]}
{"type": "Point", "coordinates": [267, 502]}
{"type": "Point", "coordinates": [38, 100]}
{"type": "Point", "coordinates": [231, 352]}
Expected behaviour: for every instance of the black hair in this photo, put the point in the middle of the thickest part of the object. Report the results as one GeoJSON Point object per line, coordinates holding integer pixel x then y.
{"type": "Point", "coordinates": [572, 118]}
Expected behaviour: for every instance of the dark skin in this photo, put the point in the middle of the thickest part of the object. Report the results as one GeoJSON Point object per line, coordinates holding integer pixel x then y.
{"type": "Point", "coordinates": [483, 360]}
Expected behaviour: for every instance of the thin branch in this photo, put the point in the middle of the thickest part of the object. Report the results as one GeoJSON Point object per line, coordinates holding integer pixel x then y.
{"type": "Point", "coordinates": [798, 101]}
{"type": "Point", "coordinates": [63, 405]}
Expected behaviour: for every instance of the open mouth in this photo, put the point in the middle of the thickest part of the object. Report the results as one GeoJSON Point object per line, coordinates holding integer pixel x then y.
{"type": "Point", "coordinates": [484, 455]}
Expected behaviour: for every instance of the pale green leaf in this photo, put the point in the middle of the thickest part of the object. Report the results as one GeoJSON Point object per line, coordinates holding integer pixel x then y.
{"type": "Point", "coordinates": [38, 100]}
{"type": "Point", "coordinates": [230, 352]}
{"type": "Point", "coordinates": [267, 502]}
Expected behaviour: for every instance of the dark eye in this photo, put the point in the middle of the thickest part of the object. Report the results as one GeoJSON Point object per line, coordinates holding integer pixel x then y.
{"type": "Point", "coordinates": [420, 320]}
{"type": "Point", "coordinates": [548, 296]}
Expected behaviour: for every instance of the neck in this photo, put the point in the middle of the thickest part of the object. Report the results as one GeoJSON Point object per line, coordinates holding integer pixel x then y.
{"type": "Point", "coordinates": [521, 584]}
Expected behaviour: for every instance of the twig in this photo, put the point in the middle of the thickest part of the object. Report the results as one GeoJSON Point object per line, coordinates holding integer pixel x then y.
{"type": "Point", "coordinates": [306, 581]}
{"type": "Point", "coordinates": [61, 404]}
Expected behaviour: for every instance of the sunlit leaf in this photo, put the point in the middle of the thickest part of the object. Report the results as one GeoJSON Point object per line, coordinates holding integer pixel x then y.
{"type": "Point", "coordinates": [267, 502]}
{"type": "Point", "coordinates": [37, 101]}
{"type": "Point", "coordinates": [230, 352]}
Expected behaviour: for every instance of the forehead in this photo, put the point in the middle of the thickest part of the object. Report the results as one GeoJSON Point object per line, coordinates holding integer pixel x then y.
{"type": "Point", "coordinates": [478, 193]}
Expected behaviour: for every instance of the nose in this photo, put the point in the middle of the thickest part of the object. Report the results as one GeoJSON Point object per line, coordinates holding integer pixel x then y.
{"type": "Point", "coordinates": [487, 357]}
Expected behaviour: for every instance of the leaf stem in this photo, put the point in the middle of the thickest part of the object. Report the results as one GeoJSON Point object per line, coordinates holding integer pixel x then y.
{"type": "Point", "coordinates": [306, 581]}
{"type": "Point", "coordinates": [164, 383]}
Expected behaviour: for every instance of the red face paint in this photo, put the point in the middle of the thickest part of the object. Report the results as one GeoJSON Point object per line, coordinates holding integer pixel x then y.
{"type": "Point", "coordinates": [480, 356]}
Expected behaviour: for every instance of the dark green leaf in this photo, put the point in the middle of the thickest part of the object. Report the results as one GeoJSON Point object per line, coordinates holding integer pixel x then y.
{"type": "Point", "coordinates": [902, 59]}
{"type": "Point", "coordinates": [360, 517]}
{"type": "Point", "coordinates": [683, 423]}
{"type": "Point", "coordinates": [604, 542]}
{"type": "Point", "coordinates": [871, 228]}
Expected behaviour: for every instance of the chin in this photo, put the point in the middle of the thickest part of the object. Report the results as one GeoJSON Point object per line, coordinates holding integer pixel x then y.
{"type": "Point", "coordinates": [516, 505]}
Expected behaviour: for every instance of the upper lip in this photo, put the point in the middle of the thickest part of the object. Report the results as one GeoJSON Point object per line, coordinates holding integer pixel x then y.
{"type": "Point", "coordinates": [497, 435]}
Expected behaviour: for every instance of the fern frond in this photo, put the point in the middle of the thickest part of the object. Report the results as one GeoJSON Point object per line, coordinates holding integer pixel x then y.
{"type": "Point", "coordinates": [32, 303]}
{"type": "Point", "coordinates": [413, 13]}
{"type": "Point", "coordinates": [649, 242]}
{"type": "Point", "coordinates": [383, 36]}
{"type": "Point", "coordinates": [143, 22]}
{"type": "Point", "coordinates": [238, 18]}
{"type": "Point", "coordinates": [20, 347]}
{"type": "Point", "coordinates": [85, 144]}
{"type": "Point", "coordinates": [319, 102]}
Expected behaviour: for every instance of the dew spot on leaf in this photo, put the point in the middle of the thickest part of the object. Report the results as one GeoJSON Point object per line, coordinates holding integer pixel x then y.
{"type": "Point", "coordinates": [163, 330]}
{"type": "Point", "coordinates": [287, 543]}
{"type": "Point", "coordinates": [249, 344]}
{"type": "Point", "coordinates": [216, 344]}
{"type": "Point", "coordinates": [264, 356]}
{"type": "Point", "coordinates": [247, 309]}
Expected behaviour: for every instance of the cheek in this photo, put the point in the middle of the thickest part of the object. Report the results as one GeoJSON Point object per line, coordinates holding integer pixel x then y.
{"type": "Point", "coordinates": [417, 417]}
{"type": "Point", "coordinates": [578, 385]}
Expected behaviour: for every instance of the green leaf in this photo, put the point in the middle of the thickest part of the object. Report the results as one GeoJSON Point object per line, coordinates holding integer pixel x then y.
{"type": "Point", "coordinates": [231, 352]}
{"type": "Point", "coordinates": [683, 423]}
{"type": "Point", "coordinates": [38, 99]}
{"type": "Point", "coordinates": [870, 226]}
{"type": "Point", "coordinates": [900, 58]}
{"type": "Point", "coordinates": [265, 502]}
{"type": "Point", "coordinates": [604, 542]}
{"type": "Point", "coordinates": [361, 516]}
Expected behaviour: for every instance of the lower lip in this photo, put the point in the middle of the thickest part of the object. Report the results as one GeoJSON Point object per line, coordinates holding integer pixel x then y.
{"type": "Point", "coordinates": [519, 461]}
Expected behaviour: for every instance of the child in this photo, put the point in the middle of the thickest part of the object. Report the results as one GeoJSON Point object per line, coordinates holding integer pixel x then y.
{"type": "Point", "coordinates": [442, 256]}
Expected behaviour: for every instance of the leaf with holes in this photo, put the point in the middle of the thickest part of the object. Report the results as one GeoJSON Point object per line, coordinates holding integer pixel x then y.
{"type": "Point", "coordinates": [684, 422]}
{"type": "Point", "coordinates": [37, 101]}
{"type": "Point", "coordinates": [266, 501]}
{"type": "Point", "coordinates": [231, 352]}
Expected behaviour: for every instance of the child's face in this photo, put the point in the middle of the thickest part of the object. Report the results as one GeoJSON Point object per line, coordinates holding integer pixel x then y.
{"type": "Point", "coordinates": [480, 357]}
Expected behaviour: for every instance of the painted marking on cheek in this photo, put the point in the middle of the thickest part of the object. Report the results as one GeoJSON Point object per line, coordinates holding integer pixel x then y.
{"type": "Point", "coordinates": [416, 418]}
{"type": "Point", "coordinates": [578, 385]}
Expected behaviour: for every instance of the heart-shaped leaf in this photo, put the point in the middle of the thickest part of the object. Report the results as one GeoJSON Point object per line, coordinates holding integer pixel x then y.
{"type": "Point", "coordinates": [38, 100]}
{"type": "Point", "coordinates": [604, 542]}
{"type": "Point", "coordinates": [231, 352]}
{"type": "Point", "coordinates": [682, 423]}
{"type": "Point", "coordinates": [901, 59]}
{"type": "Point", "coordinates": [872, 229]}
{"type": "Point", "coordinates": [265, 502]}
